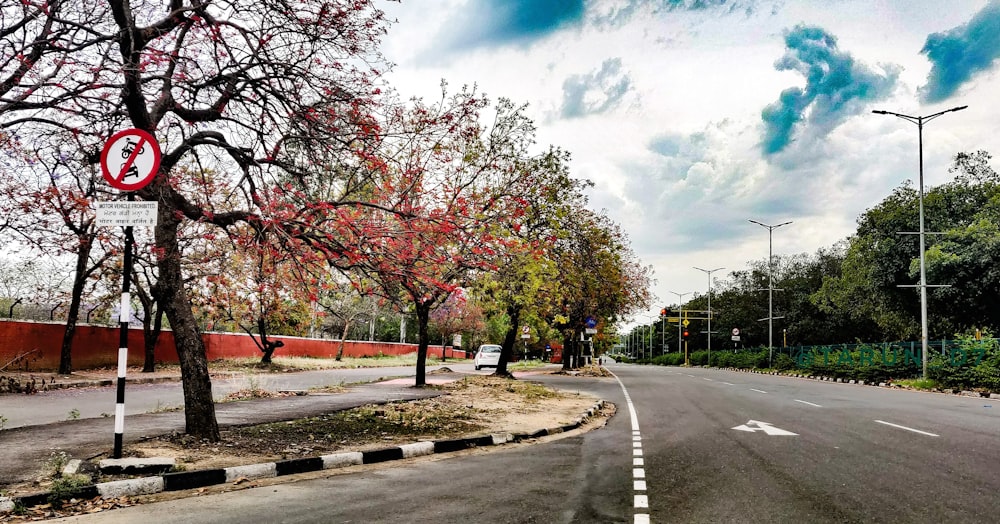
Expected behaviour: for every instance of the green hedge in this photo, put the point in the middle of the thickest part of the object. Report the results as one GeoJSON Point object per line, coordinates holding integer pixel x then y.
{"type": "Point", "coordinates": [967, 364]}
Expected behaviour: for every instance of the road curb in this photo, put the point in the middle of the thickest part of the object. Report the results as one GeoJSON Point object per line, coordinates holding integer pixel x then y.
{"type": "Point", "coordinates": [872, 383]}
{"type": "Point", "coordinates": [183, 480]}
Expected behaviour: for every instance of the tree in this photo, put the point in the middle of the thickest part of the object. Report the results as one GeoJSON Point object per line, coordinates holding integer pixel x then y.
{"type": "Point", "coordinates": [965, 257]}
{"type": "Point", "coordinates": [446, 181]}
{"type": "Point", "coordinates": [456, 315]}
{"type": "Point", "coordinates": [524, 282]}
{"type": "Point", "coordinates": [259, 90]}
{"type": "Point", "coordinates": [599, 277]}
{"type": "Point", "coordinates": [260, 289]}
{"type": "Point", "coordinates": [51, 200]}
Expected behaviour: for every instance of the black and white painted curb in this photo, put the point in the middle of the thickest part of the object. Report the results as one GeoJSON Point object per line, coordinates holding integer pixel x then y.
{"type": "Point", "coordinates": [198, 479]}
{"type": "Point", "coordinates": [977, 394]}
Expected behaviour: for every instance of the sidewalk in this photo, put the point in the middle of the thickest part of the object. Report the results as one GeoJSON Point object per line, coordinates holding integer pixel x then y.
{"type": "Point", "coordinates": [27, 448]}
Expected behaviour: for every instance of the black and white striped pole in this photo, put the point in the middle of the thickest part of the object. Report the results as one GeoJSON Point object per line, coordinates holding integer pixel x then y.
{"type": "Point", "coordinates": [129, 162]}
{"type": "Point", "coordinates": [123, 321]}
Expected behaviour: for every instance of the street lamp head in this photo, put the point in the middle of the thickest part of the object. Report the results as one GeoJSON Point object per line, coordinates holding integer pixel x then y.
{"type": "Point", "coordinates": [957, 108]}
{"type": "Point", "coordinates": [880, 112]}
{"type": "Point", "coordinates": [768, 226]}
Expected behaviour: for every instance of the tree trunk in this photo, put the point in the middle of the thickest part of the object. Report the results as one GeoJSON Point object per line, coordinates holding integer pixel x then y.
{"type": "Point", "coordinates": [509, 339]}
{"type": "Point", "coordinates": [423, 342]}
{"type": "Point", "coordinates": [149, 339]}
{"type": "Point", "coordinates": [199, 407]}
{"type": "Point", "coordinates": [266, 346]}
{"type": "Point", "coordinates": [343, 336]}
{"type": "Point", "coordinates": [79, 281]}
{"type": "Point", "coordinates": [567, 351]}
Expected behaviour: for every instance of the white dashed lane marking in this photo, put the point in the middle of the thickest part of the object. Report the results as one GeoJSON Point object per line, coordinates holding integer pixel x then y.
{"type": "Point", "coordinates": [907, 429]}
{"type": "Point", "coordinates": [640, 503]}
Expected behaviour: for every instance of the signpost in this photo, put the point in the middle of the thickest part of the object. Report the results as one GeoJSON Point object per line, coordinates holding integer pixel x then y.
{"type": "Point", "coordinates": [129, 161]}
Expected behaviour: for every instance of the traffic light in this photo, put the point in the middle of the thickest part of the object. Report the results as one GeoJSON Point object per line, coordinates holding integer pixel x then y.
{"type": "Point", "coordinates": [666, 312]}
{"type": "Point", "coordinates": [686, 334]}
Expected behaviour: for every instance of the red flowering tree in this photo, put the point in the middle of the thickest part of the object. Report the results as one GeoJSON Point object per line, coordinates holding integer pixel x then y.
{"type": "Point", "coordinates": [48, 209]}
{"type": "Point", "coordinates": [449, 173]}
{"type": "Point", "coordinates": [455, 316]}
{"type": "Point", "coordinates": [259, 91]}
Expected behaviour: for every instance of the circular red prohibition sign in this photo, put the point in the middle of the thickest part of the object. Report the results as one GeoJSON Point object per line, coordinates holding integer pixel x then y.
{"type": "Point", "coordinates": [130, 159]}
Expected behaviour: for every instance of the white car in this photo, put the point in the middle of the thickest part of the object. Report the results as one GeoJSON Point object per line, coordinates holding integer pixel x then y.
{"type": "Point", "coordinates": [488, 355]}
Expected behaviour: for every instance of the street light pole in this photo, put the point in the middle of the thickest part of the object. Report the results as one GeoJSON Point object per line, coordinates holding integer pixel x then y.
{"type": "Point", "coordinates": [920, 121]}
{"type": "Point", "coordinates": [652, 327]}
{"type": "Point", "coordinates": [709, 273]}
{"type": "Point", "coordinates": [770, 288]}
{"type": "Point", "coordinates": [680, 317]}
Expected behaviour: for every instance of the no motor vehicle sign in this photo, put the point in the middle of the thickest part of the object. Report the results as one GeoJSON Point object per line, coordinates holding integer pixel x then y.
{"type": "Point", "coordinates": [130, 159]}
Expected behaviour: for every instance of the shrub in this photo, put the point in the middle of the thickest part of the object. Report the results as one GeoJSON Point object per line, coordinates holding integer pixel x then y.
{"type": "Point", "coordinates": [66, 488]}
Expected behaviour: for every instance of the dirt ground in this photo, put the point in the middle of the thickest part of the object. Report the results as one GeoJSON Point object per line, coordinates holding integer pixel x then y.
{"type": "Point", "coordinates": [472, 406]}
{"type": "Point", "coordinates": [475, 405]}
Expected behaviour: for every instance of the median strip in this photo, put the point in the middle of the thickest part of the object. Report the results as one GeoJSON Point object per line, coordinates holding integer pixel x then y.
{"type": "Point", "coordinates": [183, 480]}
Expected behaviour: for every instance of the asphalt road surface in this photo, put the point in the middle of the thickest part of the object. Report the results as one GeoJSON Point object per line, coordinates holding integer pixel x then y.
{"type": "Point", "coordinates": [697, 445]}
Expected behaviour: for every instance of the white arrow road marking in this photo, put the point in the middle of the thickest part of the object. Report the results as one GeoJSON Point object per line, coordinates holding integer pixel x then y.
{"type": "Point", "coordinates": [755, 425]}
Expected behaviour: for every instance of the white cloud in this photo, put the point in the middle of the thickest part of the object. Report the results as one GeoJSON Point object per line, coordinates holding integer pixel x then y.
{"type": "Point", "coordinates": [677, 160]}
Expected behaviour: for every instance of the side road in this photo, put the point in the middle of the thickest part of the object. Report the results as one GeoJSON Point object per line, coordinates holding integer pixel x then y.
{"type": "Point", "coordinates": [91, 394]}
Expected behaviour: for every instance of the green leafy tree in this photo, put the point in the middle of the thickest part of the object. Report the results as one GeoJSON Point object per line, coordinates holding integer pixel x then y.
{"type": "Point", "coordinates": [599, 276]}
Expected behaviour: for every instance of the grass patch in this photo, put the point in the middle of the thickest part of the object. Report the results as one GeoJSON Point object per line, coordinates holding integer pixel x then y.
{"type": "Point", "coordinates": [919, 383]}
{"type": "Point", "coordinates": [525, 365]}
{"type": "Point", "coordinates": [289, 364]}
{"type": "Point", "coordinates": [66, 488]}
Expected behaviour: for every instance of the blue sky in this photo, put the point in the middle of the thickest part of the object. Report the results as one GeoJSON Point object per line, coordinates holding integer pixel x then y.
{"type": "Point", "coordinates": [693, 116]}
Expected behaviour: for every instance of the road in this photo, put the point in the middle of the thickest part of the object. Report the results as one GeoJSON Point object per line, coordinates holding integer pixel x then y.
{"type": "Point", "coordinates": [704, 445]}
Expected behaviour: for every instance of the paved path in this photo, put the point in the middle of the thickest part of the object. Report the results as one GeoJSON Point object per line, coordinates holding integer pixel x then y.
{"type": "Point", "coordinates": [92, 394]}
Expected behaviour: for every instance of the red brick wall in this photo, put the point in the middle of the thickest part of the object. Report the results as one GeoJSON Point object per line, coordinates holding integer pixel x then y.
{"type": "Point", "coordinates": [97, 346]}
